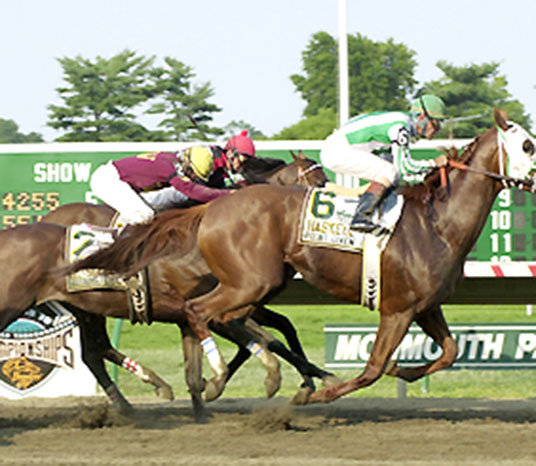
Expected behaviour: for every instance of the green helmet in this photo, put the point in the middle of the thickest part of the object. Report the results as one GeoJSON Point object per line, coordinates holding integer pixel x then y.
{"type": "Point", "coordinates": [431, 105]}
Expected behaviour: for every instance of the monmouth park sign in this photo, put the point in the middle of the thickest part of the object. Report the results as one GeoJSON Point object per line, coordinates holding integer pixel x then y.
{"type": "Point", "coordinates": [480, 346]}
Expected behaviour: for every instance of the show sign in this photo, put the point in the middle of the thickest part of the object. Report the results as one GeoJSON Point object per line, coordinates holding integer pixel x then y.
{"type": "Point", "coordinates": [480, 346]}
{"type": "Point", "coordinates": [40, 355]}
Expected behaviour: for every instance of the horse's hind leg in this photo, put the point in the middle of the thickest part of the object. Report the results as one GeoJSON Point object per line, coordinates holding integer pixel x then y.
{"type": "Point", "coordinates": [92, 342]}
{"type": "Point", "coordinates": [435, 326]}
{"type": "Point", "coordinates": [390, 333]}
{"type": "Point", "coordinates": [146, 375]}
{"type": "Point", "coordinates": [268, 318]}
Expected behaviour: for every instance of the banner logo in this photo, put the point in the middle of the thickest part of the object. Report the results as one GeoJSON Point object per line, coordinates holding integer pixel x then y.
{"type": "Point", "coordinates": [36, 344]}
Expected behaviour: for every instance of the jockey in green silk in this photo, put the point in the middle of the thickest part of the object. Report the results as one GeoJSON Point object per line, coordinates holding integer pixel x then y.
{"type": "Point", "coordinates": [355, 148]}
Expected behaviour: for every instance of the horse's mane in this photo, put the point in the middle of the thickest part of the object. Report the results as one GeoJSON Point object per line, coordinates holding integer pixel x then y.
{"type": "Point", "coordinates": [170, 232]}
{"type": "Point", "coordinates": [427, 190]}
{"type": "Point", "coordinates": [257, 170]}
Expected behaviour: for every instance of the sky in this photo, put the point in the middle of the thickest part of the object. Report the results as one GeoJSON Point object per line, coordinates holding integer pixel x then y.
{"type": "Point", "coordinates": [248, 49]}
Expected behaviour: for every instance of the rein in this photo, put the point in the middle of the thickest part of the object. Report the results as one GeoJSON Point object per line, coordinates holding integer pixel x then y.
{"type": "Point", "coordinates": [507, 181]}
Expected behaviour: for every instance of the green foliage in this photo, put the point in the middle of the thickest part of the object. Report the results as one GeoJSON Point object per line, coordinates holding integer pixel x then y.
{"type": "Point", "coordinates": [381, 75]}
{"type": "Point", "coordinates": [470, 94]}
{"type": "Point", "coordinates": [318, 126]}
{"type": "Point", "coordinates": [104, 98]}
{"type": "Point", "coordinates": [100, 98]}
{"type": "Point", "coordinates": [9, 133]}
{"type": "Point", "coordinates": [180, 101]}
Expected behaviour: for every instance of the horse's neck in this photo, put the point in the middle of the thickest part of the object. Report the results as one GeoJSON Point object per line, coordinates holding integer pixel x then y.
{"type": "Point", "coordinates": [285, 175]}
{"type": "Point", "coordinates": [472, 196]}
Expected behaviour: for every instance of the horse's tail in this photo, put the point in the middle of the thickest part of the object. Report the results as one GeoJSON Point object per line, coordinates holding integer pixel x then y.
{"type": "Point", "coordinates": [171, 232]}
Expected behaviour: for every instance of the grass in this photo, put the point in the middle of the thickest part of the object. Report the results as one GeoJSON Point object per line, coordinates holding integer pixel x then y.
{"type": "Point", "coordinates": [159, 347]}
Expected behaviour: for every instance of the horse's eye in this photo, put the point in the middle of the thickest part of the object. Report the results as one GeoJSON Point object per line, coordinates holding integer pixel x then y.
{"type": "Point", "coordinates": [528, 147]}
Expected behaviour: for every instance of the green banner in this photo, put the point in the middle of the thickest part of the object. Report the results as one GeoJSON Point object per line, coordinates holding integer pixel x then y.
{"type": "Point", "coordinates": [480, 346]}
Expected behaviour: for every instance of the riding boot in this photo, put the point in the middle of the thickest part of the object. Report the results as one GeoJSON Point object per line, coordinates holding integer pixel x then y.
{"type": "Point", "coordinates": [368, 202]}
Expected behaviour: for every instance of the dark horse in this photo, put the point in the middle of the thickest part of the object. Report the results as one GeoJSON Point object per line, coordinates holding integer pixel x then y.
{"type": "Point", "coordinates": [95, 342]}
{"type": "Point", "coordinates": [250, 238]}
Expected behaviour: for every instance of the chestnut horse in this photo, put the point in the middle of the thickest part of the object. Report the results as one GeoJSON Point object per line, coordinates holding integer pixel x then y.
{"type": "Point", "coordinates": [95, 342]}
{"type": "Point", "coordinates": [249, 239]}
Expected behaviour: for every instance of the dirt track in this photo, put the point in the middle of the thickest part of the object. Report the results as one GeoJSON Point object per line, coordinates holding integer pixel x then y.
{"type": "Point", "coordinates": [264, 432]}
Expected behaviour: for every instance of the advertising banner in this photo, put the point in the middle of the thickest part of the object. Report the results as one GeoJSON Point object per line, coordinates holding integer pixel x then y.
{"type": "Point", "coordinates": [480, 346]}
{"type": "Point", "coordinates": [40, 355]}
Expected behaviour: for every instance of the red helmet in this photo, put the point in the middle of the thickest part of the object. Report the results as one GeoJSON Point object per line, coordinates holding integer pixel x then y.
{"type": "Point", "coordinates": [242, 144]}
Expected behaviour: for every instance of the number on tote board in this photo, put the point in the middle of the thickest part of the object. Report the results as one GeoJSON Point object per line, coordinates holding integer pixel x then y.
{"type": "Point", "coordinates": [30, 201]}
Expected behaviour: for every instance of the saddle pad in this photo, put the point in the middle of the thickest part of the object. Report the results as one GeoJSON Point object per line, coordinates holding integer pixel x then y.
{"type": "Point", "coordinates": [325, 220]}
{"type": "Point", "coordinates": [83, 240]}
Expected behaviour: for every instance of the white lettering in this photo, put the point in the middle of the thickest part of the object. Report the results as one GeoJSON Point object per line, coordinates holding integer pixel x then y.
{"type": "Point", "coordinates": [81, 172]}
{"type": "Point", "coordinates": [526, 342]}
{"type": "Point", "coordinates": [366, 342]}
{"type": "Point", "coordinates": [347, 347]}
{"type": "Point", "coordinates": [429, 353]}
{"type": "Point", "coordinates": [473, 340]}
{"type": "Point", "coordinates": [491, 346]}
{"type": "Point", "coordinates": [61, 172]}
{"type": "Point", "coordinates": [40, 172]}
{"type": "Point", "coordinates": [411, 347]}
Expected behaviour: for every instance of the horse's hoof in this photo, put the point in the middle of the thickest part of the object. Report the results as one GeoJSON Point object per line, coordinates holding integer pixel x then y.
{"type": "Point", "coordinates": [165, 392]}
{"type": "Point", "coordinates": [200, 412]}
{"type": "Point", "coordinates": [214, 389]}
{"type": "Point", "coordinates": [124, 408]}
{"type": "Point", "coordinates": [272, 384]}
{"type": "Point", "coordinates": [391, 368]}
{"type": "Point", "coordinates": [302, 396]}
{"type": "Point", "coordinates": [318, 397]}
{"type": "Point", "coordinates": [331, 381]}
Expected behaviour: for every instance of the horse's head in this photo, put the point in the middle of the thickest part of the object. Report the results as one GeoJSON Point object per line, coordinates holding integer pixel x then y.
{"type": "Point", "coordinates": [308, 172]}
{"type": "Point", "coordinates": [516, 147]}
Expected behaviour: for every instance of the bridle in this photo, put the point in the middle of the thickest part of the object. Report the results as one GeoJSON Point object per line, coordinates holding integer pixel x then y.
{"type": "Point", "coordinates": [303, 172]}
{"type": "Point", "coordinates": [507, 181]}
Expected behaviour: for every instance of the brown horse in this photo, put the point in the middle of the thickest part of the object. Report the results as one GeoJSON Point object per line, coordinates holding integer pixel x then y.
{"type": "Point", "coordinates": [95, 342]}
{"type": "Point", "coordinates": [249, 253]}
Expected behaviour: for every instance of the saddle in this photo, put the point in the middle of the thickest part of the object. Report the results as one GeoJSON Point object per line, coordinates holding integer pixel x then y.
{"type": "Point", "coordinates": [83, 240]}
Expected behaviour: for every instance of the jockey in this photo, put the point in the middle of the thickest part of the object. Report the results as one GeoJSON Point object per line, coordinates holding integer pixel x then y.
{"type": "Point", "coordinates": [355, 149]}
{"type": "Point", "coordinates": [137, 186]}
{"type": "Point", "coordinates": [229, 161]}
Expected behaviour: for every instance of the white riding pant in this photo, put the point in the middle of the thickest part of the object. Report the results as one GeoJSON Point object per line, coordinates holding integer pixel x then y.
{"type": "Point", "coordinates": [108, 187]}
{"type": "Point", "coordinates": [338, 155]}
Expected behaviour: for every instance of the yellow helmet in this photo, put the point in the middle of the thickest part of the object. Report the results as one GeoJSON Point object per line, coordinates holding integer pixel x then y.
{"type": "Point", "coordinates": [201, 161]}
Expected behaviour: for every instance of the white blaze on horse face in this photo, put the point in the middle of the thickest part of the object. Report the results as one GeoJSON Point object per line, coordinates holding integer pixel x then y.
{"type": "Point", "coordinates": [519, 146]}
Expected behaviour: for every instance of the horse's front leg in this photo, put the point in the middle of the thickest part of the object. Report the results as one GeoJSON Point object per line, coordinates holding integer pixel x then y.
{"type": "Point", "coordinates": [390, 333]}
{"type": "Point", "coordinates": [435, 326]}
{"type": "Point", "coordinates": [193, 371]}
{"type": "Point", "coordinates": [202, 309]}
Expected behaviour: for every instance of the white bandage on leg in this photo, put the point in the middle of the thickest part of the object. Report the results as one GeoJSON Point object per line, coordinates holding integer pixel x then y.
{"type": "Point", "coordinates": [256, 350]}
{"type": "Point", "coordinates": [214, 356]}
{"type": "Point", "coordinates": [133, 367]}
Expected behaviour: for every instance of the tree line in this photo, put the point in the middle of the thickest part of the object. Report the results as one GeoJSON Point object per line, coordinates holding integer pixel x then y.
{"type": "Point", "coordinates": [105, 99]}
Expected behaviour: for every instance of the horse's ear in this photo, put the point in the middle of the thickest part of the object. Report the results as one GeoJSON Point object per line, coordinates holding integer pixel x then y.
{"type": "Point", "coordinates": [294, 156]}
{"type": "Point", "coordinates": [301, 155]}
{"type": "Point", "coordinates": [501, 118]}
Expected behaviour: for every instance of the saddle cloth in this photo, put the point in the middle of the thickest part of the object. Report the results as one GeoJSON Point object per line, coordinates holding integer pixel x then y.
{"type": "Point", "coordinates": [325, 222]}
{"type": "Point", "coordinates": [83, 240]}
